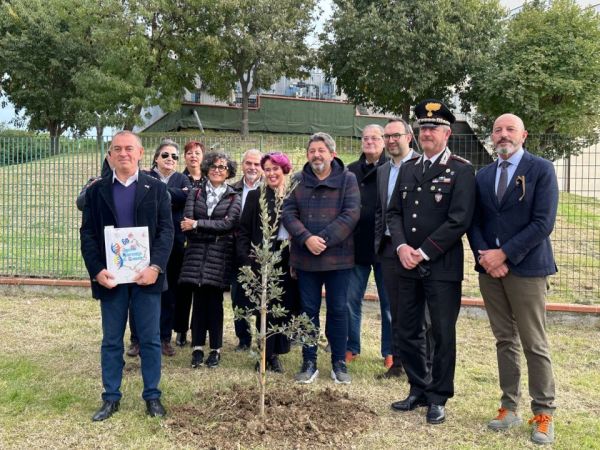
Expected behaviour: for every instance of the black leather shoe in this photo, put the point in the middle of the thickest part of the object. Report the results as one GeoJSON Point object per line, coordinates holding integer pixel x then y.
{"type": "Point", "coordinates": [274, 364]}
{"type": "Point", "coordinates": [436, 414]}
{"type": "Point", "coordinates": [392, 372]}
{"type": "Point", "coordinates": [108, 408]}
{"type": "Point", "coordinates": [154, 408]}
{"type": "Point", "coordinates": [409, 403]}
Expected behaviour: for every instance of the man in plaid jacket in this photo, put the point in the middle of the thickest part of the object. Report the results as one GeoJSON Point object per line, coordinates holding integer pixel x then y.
{"type": "Point", "coordinates": [320, 216]}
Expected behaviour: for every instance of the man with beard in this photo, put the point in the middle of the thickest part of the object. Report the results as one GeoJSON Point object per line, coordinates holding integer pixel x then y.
{"type": "Point", "coordinates": [397, 137]}
{"type": "Point", "coordinates": [431, 208]}
{"type": "Point", "coordinates": [251, 180]}
{"type": "Point", "coordinates": [320, 215]}
{"type": "Point", "coordinates": [365, 170]}
{"type": "Point", "coordinates": [517, 199]}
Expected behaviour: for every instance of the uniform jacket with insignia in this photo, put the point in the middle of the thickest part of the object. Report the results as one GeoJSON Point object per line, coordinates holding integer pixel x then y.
{"type": "Point", "coordinates": [432, 211]}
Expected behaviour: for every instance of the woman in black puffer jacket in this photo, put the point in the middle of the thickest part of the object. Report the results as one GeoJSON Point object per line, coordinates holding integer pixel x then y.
{"type": "Point", "coordinates": [211, 214]}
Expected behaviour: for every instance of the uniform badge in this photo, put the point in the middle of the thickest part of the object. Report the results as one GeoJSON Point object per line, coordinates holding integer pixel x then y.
{"type": "Point", "coordinates": [403, 195]}
{"type": "Point", "coordinates": [438, 197]}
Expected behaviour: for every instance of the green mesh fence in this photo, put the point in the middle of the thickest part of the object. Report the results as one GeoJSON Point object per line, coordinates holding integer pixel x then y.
{"type": "Point", "coordinates": [39, 182]}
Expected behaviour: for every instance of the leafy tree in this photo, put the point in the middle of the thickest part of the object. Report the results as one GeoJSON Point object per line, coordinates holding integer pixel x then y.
{"type": "Point", "coordinates": [43, 45]}
{"type": "Point", "coordinates": [389, 54]}
{"type": "Point", "coordinates": [146, 59]}
{"type": "Point", "coordinates": [255, 42]}
{"type": "Point", "coordinates": [547, 71]}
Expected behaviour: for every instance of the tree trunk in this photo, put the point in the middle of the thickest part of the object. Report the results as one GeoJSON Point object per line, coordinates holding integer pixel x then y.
{"type": "Point", "coordinates": [130, 121]}
{"type": "Point", "coordinates": [245, 97]}
{"type": "Point", "coordinates": [99, 136]}
{"type": "Point", "coordinates": [54, 129]}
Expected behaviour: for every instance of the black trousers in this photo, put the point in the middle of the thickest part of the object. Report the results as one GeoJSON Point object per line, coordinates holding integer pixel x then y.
{"type": "Point", "coordinates": [207, 316]}
{"type": "Point", "coordinates": [183, 307]}
{"type": "Point", "coordinates": [170, 297]}
{"type": "Point", "coordinates": [443, 300]}
{"type": "Point", "coordinates": [240, 300]}
{"type": "Point", "coordinates": [390, 265]}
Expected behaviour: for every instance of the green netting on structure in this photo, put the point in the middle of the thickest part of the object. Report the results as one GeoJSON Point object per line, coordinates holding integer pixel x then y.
{"type": "Point", "coordinates": [274, 115]}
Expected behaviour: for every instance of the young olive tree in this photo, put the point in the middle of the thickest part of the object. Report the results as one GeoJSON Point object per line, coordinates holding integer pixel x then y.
{"type": "Point", "coordinates": [262, 286]}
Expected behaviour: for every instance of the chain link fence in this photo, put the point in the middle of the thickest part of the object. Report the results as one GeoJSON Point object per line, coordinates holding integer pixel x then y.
{"type": "Point", "coordinates": [39, 225]}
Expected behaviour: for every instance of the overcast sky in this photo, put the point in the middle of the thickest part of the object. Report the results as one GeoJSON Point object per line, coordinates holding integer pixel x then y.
{"type": "Point", "coordinates": [6, 114]}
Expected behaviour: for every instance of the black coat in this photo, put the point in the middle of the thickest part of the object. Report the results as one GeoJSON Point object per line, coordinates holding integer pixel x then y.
{"type": "Point", "coordinates": [179, 187]}
{"type": "Point", "coordinates": [250, 232]}
{"type": "Point", "coordinates": [208, 257]}
{"type": "Point", "coordinates": [432, 211]}
{"type": "Point", "coordinates": [151, 209]}
{"type": "Point", "coordinates": [364, 233]}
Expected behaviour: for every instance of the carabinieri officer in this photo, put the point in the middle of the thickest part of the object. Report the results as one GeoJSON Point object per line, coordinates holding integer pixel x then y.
{"type": "Point", "coordinates": [431, 208]}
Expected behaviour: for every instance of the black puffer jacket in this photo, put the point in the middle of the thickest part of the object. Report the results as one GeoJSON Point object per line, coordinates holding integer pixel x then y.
{"type": "Point", "coordinates": [208, 257]}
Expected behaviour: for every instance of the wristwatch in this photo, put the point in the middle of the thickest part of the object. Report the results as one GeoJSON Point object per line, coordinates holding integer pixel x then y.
{"type": "Point", "coordinates": [195, 225]}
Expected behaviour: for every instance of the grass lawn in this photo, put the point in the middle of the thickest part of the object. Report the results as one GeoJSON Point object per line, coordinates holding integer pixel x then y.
{"type": "Point", "coordinates": [50, 386]}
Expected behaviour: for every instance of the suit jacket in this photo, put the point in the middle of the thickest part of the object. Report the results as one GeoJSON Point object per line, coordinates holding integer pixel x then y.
{"type": "Point", "coordinates": [432, 211]}
{"type": "Point", "coordinates": [152, 209]}
{"type": "Point", "coordinates": [366, 176]}
{"type": "Point", "coordinates": [522, 221]}
{"type": "Point", "coordinates": [383, 177]}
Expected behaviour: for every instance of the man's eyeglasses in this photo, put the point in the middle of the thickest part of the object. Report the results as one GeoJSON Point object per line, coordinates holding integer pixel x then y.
{"type": "Point", "coordinates": [165, 155]}
{"type": "Point", "coordinates": [387, 137]}
{"type": "Point", "coordinates": [220, 168]}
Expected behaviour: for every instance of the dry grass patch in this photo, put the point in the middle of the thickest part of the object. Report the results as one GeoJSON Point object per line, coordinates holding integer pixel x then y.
{"type": "Point", "coordinates": [50, 386]}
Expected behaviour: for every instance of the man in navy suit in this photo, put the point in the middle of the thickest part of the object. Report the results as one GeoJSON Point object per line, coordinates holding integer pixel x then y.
{"type": "Point", "coordinates": [517, 199]}
{"type": "Point", "coordinates": [128, 198]}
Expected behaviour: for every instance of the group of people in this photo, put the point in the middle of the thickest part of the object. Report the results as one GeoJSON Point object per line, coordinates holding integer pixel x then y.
{"type": "Point", "coordinates": [400, 215]}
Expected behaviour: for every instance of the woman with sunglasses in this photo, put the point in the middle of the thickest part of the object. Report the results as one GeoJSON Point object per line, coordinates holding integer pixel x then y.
{"type": "Point", "coordinates": [164, 167]}
{"type": "Point", "coordinates": [210, 217]}
{"type": "Point", "coordinates": [193, 153]}
{"type": "Point", "coordinates": [275, 166]}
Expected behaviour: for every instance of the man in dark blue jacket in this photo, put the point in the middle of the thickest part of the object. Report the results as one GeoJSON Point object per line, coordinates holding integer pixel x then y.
{"type": "Point", "coordinates": [128, 198]}
{"type": "Point", "coordinates": [517, 199]}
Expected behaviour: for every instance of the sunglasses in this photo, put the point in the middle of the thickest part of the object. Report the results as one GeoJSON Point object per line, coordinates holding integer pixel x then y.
{"type": "Point", "coordinates": [165, 155]}
{"type": "Point", "coordinates": [220, 168]}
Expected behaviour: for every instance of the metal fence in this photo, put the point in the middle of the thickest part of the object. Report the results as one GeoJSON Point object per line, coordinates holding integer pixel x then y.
{"type": "Point", "coordinates": [39, 224]}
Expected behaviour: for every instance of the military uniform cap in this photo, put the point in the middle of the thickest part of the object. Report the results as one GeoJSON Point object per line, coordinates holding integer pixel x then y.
{"type": "Point", "coordinates": [432, 113]}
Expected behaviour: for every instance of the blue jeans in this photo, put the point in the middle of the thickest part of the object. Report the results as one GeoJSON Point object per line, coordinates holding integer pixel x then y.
{"type": "Point", "coordinates": [146, 309]}
{"type": "Point", "coordinates": [336, 325]}
{"type": "Point", "coordinates": [357, 285]}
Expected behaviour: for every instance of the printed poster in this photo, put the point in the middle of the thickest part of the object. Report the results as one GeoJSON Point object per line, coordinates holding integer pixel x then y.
{"type": "Point", "coordinates": [127, 252]}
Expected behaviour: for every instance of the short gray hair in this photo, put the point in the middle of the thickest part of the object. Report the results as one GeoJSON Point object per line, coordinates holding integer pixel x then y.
{"type": "Point", "coordinates": [252, 150]}
{"type": "Point", "coordinates": [324, 138]}
{"type": "Point", "coordinates": [375, 126]}
{"type": "Point", "coordinates": [127, 133]}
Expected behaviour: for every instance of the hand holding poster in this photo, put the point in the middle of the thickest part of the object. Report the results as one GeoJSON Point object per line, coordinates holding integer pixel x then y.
{"type": "Point", "coordinates": [127, 252]}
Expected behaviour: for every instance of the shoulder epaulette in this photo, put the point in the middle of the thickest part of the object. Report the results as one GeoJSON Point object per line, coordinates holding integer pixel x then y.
{"type": "Point", "coordinates": [460, 158]}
